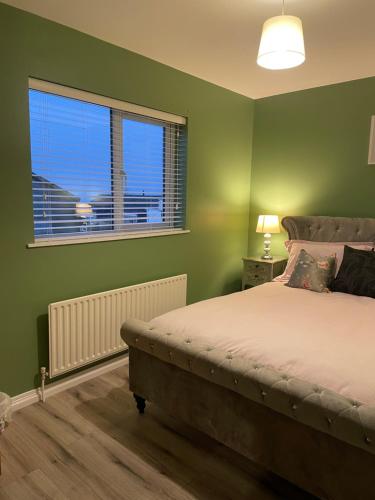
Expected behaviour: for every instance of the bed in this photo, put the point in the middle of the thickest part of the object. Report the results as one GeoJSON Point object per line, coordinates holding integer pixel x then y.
{"type": "Point", "coordinates": [284, 376]}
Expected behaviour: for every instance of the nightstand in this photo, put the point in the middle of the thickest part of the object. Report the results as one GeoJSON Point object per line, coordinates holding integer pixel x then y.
{"type": "Point", "coordinates": [257, 271]}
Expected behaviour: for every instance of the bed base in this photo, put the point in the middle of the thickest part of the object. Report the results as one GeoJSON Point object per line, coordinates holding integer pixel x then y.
{"type": "Point", "coordinates": [317, 462]}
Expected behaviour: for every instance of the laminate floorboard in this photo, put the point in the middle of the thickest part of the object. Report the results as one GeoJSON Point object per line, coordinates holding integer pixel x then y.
{"type": "Point", "coordinates": [89, 442]}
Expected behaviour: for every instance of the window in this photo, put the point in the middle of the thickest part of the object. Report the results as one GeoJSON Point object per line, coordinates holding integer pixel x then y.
{"type": "Point", "coordinates": [103, 169]}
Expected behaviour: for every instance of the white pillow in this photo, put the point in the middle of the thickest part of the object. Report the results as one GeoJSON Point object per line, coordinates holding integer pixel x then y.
{"type": "Point", "coordinates": [318, 249]}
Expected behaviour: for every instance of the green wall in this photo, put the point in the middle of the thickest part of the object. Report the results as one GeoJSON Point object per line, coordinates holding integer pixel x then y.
{"type": "Point", "coordinates": [310, 155]}
{"type": "Point", "coordinates": [219, 157]}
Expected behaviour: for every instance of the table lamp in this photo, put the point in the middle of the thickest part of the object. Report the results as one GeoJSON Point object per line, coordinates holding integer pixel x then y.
{"type": "Point", "coordinates": [83, 209]}
{"type": "Point", "coordinates": [268, 224]}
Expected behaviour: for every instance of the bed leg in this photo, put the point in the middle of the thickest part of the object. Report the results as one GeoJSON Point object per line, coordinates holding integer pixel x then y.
{"type": "Point", "coordinates": [141, 403]}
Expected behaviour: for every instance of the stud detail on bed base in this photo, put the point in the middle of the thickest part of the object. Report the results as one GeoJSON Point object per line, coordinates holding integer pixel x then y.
{"type": "Point", "coordinates": [141, 403]}
{"type": "Point", "coordinates": [313, 405]}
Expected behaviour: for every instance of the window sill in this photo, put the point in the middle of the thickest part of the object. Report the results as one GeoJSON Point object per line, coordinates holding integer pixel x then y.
{"type": "Point", "coordinates": [97, 239]}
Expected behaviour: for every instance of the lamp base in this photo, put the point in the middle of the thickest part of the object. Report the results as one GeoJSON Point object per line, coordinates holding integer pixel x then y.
{"type": "Point", "coordinates": [267, 247]}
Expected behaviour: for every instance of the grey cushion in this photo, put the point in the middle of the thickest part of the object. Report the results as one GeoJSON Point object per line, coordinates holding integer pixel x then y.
{"type": "Point", "coordinates": [356, 274]}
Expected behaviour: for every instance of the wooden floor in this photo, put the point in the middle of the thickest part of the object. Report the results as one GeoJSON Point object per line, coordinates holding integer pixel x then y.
{"type": "Point", "coordinates": [90, 443]}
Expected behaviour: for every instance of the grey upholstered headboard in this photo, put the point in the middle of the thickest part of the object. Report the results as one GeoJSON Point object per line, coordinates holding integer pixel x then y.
{"type": "Point", "coordinates": [320, 228]}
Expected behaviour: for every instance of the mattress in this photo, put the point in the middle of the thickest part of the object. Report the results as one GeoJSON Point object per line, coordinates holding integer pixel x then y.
{"type": "Point", "coordinates": [324, 339]}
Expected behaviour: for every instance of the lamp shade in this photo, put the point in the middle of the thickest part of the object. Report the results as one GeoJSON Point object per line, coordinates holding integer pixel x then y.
{"type": "Point", "coordinates": [83, 209]}
{"type": "Point", "coordinates": [281, 45]}
{"type": "Point", "coordinates": [268, 224]}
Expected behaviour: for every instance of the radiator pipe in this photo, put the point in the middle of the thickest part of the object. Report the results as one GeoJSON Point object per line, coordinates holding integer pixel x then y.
{"type": "Point", "coordinates": [43, 375]}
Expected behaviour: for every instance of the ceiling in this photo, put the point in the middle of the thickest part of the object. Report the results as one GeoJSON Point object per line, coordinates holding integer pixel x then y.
{"type": "Point", "coordinates": [217, 40]}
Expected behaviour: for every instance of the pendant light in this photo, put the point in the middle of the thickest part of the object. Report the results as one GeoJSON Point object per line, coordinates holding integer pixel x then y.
{"type": "Point", "coordinates": [281, 45]}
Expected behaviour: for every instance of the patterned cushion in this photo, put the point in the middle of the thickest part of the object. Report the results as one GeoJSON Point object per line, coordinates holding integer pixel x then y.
{"type": "Point", "coordinates": [313, 274]}
{"type": "Point", "coordinates": [356, 274]}
{"type": "Point", "coordinates": [317, 249]}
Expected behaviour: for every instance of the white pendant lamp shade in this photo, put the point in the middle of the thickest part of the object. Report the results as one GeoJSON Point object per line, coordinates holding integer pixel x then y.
{"type": "Point", "coordinates": [281, 45]}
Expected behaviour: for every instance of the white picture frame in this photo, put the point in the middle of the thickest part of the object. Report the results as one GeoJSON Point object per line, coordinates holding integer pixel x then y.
{"type": "Point", "coordinates": [371, 149]}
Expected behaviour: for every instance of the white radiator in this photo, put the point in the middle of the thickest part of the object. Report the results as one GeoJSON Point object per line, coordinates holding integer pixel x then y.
{"type": "Point", "coordinates": [86, 329]}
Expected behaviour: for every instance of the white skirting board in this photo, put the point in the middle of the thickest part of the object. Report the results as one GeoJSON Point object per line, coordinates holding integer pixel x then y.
{"type": "Point", "coordinates": [34, 396]}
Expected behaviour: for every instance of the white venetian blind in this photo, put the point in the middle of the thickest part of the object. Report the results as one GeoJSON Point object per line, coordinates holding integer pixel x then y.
{"type": "Point", "coordinates": [101, 166]}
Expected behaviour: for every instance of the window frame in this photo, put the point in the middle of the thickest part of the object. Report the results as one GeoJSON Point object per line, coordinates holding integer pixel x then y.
{"type": "Point", "coordinates": [121, 110]}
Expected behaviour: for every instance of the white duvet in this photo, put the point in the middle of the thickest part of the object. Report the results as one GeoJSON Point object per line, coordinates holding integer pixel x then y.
{"type": "Point", "coordinates": [327, 339]}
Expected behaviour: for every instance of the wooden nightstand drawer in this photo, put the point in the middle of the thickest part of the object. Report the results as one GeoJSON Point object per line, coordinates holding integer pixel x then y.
{"type": "Point", "coordinates": [255, 281]}
{"type": "Point", "coordinates": [258, 271]}
{"type": "Point", "coordinates": [253, 266]}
